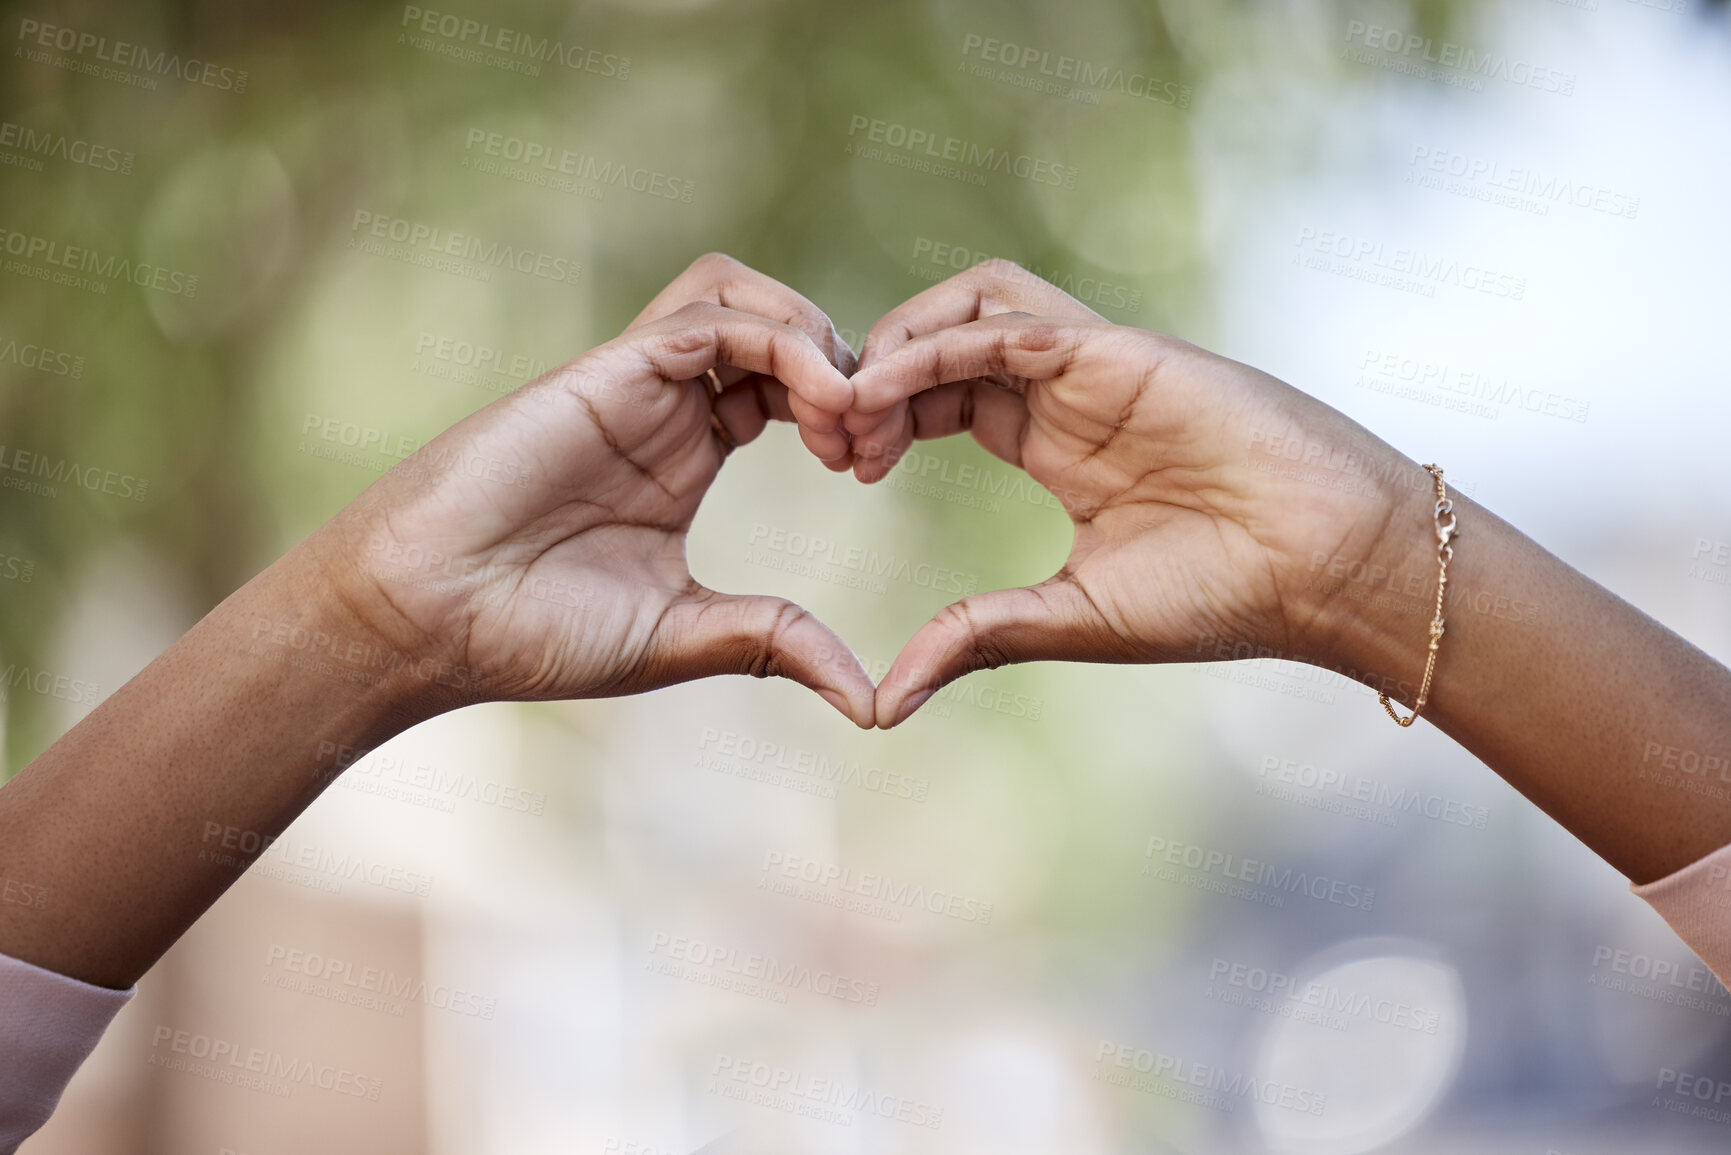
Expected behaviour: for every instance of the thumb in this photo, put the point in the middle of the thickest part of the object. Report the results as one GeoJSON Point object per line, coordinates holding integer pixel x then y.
{"type": "Point", "coordinates": [1053, 621]}
{"type": "Point", "coordinates": [710, 633]}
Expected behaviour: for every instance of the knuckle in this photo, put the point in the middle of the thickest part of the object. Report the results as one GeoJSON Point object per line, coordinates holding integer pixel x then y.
{"type": "Point", "coordinates": [1001, 268]}
{"type": "Point", "coordinates": [1038, 337]}
{"type": "Point", "coordinates": [716, 262]}
{"type": "Point", "coordinates": [768, 661]}
{"type": "Point", "coordinates": [981, 650]}
{"type": "Point", "coordinates": [693, 311]}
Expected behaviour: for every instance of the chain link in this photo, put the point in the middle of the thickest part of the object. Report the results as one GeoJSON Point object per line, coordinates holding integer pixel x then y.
{"type": "Point", "coordinates": [1446, 531]}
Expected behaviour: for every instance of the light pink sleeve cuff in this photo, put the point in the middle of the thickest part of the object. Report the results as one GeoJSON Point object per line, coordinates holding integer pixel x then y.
{"type": "Point", "coordinates": [49, 1024]}
{"type": "Point", "coordinates": [1696, 901]}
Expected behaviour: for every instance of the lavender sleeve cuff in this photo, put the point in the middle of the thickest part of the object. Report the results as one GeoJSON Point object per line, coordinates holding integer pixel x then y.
{"type": "Point", "coordinates": [49, 1024]}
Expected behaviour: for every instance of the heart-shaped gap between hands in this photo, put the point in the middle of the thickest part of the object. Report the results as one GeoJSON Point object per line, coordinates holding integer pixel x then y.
{"type": "Point", "coordinates": [1143, 439]}
{"type": "Point", "coordinates": [567, 503]}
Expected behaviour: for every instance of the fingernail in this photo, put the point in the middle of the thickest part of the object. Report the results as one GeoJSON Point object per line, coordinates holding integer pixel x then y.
{"type": "Point", "coordinates": [914, 702]}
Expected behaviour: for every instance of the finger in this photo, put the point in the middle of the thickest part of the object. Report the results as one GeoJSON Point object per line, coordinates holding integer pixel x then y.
{"type": "Point", "coordinates": [876, 453]}
{"type": "Point", "coordinates": [697, 337]}
{"type": "Point", "coordinates": [721, 280]}
{"type": "Point", "coordinates": [814, 418]}
{"type": "Point", "coordinates": [987, 289]}
{"type": "Point", "coordinates": [746, 408]}
{"type": "Point", "coordinates": [830, 448]}
{"type": "Point", "coordinates": [877, 428]}
{"type": "Point", "coordinates": [1012, 345]}
{"type": "Point", "coordinates": [712, 633]}
{"type": "Point", "coordinates": [997, 418]}
{"type": "Point", "coordinates": [1053, 621]}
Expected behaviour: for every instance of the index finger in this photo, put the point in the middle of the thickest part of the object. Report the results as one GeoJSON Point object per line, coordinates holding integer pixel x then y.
{"type": "Point", "coordinates": [722, 280]}
{"type": "Point", "coordinates": [699, 336]}
{"type": "Point", "coordinates": [1011, 344]}
{"type": "Point", "coordinates": [986, 290]}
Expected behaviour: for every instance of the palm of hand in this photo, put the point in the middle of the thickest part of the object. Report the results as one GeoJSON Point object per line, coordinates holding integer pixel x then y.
{"type": "Point", "coordinates": [597, 562]}
{"type": "Point", "coordinates": [545, 573]}
{"type": "Point", "coordinates": [1167, 551]}
{"type": "Point", "coordinates": [1150, 445]}
{"type": "Point", "coordinates": [545, 554]}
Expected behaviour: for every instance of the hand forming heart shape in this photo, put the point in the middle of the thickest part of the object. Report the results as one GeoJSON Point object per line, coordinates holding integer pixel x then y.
{"type": "Point", "coordinates": [575, 493]}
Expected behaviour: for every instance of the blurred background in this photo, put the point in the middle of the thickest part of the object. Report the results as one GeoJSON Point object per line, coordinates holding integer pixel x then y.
{"type": "Point", "coordinates": [716, 917]}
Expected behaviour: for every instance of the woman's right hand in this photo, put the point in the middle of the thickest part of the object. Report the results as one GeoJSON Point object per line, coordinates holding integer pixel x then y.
{"type": "Point", "coordinates": [1206, 495]}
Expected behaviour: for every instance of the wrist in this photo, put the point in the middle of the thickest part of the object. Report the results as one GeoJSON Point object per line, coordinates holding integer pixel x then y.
{"type": "Point", "coordinates": [1366, 603]}
{"type": "Point", "coordinates": [147, 810]}
{"type": "Point", "coordinates": [319, 613]}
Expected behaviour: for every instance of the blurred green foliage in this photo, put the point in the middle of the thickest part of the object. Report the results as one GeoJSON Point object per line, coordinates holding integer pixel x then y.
{"type": "Point", "coordinates": [753, 106]}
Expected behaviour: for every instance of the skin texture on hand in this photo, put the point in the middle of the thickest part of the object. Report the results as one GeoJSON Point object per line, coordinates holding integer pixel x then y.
{"type": "Point", "coordinates": [540, 542]}
{"type": "Point", "coordinates": [1219, 513]}
{"type": "Point", "coordinates": [534, 550]}
{"type": "Point", "coordinates": [1186, 528]}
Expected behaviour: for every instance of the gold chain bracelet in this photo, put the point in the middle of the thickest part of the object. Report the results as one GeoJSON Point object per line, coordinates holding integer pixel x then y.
{"type": "Point", "coordinates": [1445, 552]}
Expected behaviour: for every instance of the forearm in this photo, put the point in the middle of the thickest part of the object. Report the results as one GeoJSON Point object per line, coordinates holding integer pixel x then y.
{"type": "Point", "coordinates": [1580, 701]}
{"type": "Point", "coordinates": [131, 825]}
